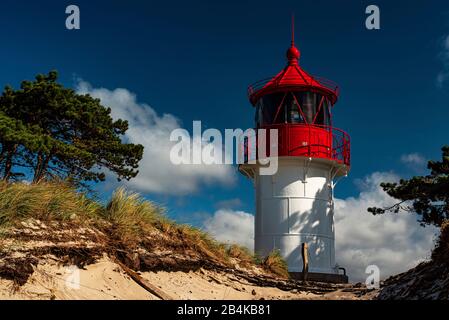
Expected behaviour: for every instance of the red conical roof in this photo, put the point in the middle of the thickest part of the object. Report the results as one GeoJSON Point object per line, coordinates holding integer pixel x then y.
{"type": "Point", "coordinates": [293, 78]}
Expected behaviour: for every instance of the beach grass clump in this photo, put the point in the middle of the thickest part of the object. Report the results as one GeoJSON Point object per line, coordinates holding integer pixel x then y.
{"type": "Point", "coordinates": [241, 253]}
{"type": "Point", "coordinates": [45, 201]}
{"type": "Point", "coordinates": [128, 220]}
{"type": "Point", "coordinates": [275, 264]}
{"type": "Point", "coordinates": [203, 242]}
{"type": "Point", "coordinates": [131, 215]}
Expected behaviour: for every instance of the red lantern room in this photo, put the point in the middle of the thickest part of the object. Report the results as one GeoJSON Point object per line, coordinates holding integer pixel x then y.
{"type": "Point", "coordinates": [300, 106]}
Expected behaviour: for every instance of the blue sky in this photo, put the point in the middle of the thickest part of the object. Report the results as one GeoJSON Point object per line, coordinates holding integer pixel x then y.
{"type": "Point", "coordinates": [194, 60]}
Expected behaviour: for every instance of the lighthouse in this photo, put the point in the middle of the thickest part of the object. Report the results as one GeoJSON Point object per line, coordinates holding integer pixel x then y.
{"type": "Point", "coordinates": [295, 205]}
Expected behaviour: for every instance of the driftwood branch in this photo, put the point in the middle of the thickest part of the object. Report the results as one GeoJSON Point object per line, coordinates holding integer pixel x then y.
{"type": "Point", "coordinates": [144, 283]}
{"type": "Point", "coordinates": [305, 260]}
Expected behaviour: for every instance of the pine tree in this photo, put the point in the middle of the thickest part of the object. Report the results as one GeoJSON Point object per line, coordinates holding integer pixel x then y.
{"type": "Point", "coordinates": [51, 131]}
{"type": "Point", "coordinates": [428, 196]}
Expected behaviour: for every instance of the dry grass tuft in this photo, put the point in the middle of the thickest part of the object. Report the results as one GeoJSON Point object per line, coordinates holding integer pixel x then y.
{"type": "Point", "coordinates": [242, 254]}
{"type": "Point", "coordinates": [44, 201]}
{"type": "Point", "coordinates": [202, 242]}
{"type": "Point", "coordinates": [131, 215]}
{"type": "Point", "coordinates": [276, 264]}
{"type": "Point", "coordinates": [128, 220]}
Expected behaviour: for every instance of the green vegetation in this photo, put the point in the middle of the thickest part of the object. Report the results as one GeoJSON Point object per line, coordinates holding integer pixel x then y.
{"type": "Point", "coordinates": [49, 131]}
{"type": "Point", "coordinates": [276, 264]}
{"type": "Point", "coordinates": [428, 196]}
{"type": "Point", "coordinates": [45, 201]}
{"type": "Point", "coordinates": [59, 141]}
{"type": "Point", "coordinates": [241, 253]}
{"type": "Point", "coordinates": [127, 219]}
{"type": "Point", "coordinates": [131, 215]}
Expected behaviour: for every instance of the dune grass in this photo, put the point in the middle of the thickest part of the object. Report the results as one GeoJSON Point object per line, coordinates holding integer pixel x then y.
{"type": "Point", "coordinates": [203, 241]}
{"type": "Point", "coordinates": [127, 216]}
{"type": "Point", "coordinates": [19, 201]}
{"type": "Point", "coordinates": [131, 215]}
{"type": "Point", "coordinates": [241, 253]}
{"type": "Point", "coordinates": [276, 264]}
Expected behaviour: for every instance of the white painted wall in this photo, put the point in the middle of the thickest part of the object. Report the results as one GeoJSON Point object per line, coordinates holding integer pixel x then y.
{"type": "Point", "coordinates": [295, 206]}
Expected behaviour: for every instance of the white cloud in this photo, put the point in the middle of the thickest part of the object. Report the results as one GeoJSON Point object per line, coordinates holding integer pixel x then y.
{"type": "Point", "coordinates": [156, 173]}
{"type": "Point", "coordinates": [393, 242]}
{"type": "Point", "coordinates": [413, 158]}
{"type": "Point", "coordinates": [444, 56]}
{"type": "Point", "coordinates": [231, 226]}
{"type": "Point", "coordinates": [414, 161]}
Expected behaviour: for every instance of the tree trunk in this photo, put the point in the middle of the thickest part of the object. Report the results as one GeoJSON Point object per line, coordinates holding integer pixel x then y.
{"type": "Point", "coordinates": [37, 170]}
{"type": "Point", "coordinates": [8, 162]}
{"type": "Point", "coordinates": [41, 167]}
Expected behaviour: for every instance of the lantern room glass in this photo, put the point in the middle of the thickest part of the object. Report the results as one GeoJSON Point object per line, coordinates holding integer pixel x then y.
{"type": "Point", "coordinates": [300, 107]}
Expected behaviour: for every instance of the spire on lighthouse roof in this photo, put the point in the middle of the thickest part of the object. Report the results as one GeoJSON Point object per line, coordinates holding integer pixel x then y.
{"type": "Point", "coordinates": [293, 53]}
{"type": "Point", "coordinates": [293, 78]}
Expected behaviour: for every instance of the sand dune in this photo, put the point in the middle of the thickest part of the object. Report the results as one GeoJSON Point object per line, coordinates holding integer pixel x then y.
{"type": "Point", "coordinates": [106, 280]}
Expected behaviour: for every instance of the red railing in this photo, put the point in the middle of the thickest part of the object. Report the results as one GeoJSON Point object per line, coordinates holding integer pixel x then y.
{"type": "Point", "coordinates": [316, 141]}
{"type": "Point", "coordinates": [327, 84]}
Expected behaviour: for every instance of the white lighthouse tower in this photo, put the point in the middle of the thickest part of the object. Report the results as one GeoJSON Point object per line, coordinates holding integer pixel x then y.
{"type": "Point", "coordinates": [295, 205]}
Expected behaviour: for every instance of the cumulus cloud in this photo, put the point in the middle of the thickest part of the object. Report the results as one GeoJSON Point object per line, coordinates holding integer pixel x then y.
{"type": "Point", "coordinates": [393, 242]}
{"type": "Point", "coordinates": [444, 56]}
{"type": "Point", "coordinates": [156, 173]}
{"type": "Point", "coordinates": [231, 226]}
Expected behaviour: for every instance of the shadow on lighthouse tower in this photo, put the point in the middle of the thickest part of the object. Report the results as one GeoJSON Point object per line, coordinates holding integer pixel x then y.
{"type": "Point", "coordinates": [295, 206]}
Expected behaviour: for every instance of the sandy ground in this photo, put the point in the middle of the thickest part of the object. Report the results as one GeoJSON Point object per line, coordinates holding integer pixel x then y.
{"type": "Point", "coordinates": [106, 280]}
{"type": "Point", "coordinates": [211, 286]}
{"type": "Point", "coordinates": [207, 285]}
{"type": "Point", "coordinates": [102, 280]}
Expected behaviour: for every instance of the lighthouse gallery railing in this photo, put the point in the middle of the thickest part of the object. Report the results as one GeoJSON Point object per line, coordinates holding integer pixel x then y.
{"type": "Point", "coordinates": [316, 141]}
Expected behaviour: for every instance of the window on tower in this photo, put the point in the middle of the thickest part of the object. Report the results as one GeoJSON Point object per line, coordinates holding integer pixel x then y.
{"type": "Point", "coordinates": [323, 116]}
{"type": "Point", "coordinates": [267, 107]}
{"type": "Point", "coordinates": [293, 112]}
{"type": "Point", "coordinates": [292, 107]}
{"type": "Point", "coordinates": [309, 105]}
{"type": "Point", "coordinates": [314, 106]}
